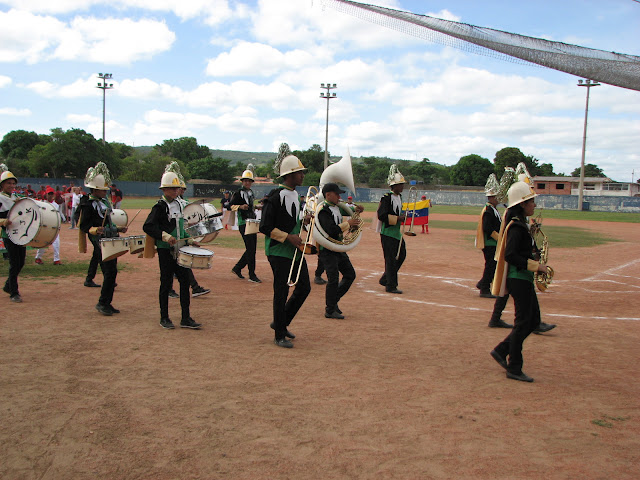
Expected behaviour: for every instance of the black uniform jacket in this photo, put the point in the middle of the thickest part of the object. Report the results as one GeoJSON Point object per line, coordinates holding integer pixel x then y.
{"type": "Point", "coordinates": [275, 215]}
{"type": "Point", "coordinates": [385, 208]}
{"type": "Point", "coordinates": [490, 222]}
{"type": "Point", "coordinates": [328, 223]}
{"type": "Point", "coordinates": [520, 246]}
{"type": "Point", "coordinates": [158, 221]}
{"type": "Point", "coordinates": [238, 199]}
{"type": "Point", "coordinates": [89, 217]}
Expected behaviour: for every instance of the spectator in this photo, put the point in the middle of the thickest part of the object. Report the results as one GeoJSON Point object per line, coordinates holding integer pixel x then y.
{"type": "Point", "coordinates": [116, 196]}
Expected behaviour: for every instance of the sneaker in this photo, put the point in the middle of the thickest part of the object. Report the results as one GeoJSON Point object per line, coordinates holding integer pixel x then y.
{"type": "Point", "coordinates": [57, 262]}
{"type": "Point", "coordinates": [523, 377]}
{"type": "Point", "coordinates": [197, 291]}
{"type": "Point", "coordinates": [91, 283]}
{"type": "Point", "coordinates": [104, 309]}
{"type": "Point", "coordinates": [287, 333]}
{"type": "Point", "coordinates": [190, 323]}
{"type": "Point", "coordinates": [166, 323]}
{"type": "Point", "coordinates": [544, 327]}
{"type": "Point", "coordinates": [333, 314]}
{"type": "Point", "coordinates": [319, 281]}
{"type": "Point", "coordinates": [16, 298]}
{"type": "Point", "coordinates": [173, 294]}
{"type": "Point", "coordinates": [283, 342]}
{"type": "Point", "coordinates": [113, 310]}
{"type": "Point", "coordinates": [39, 261]}
{"type": "Point", "coordinates": [254, 279]}
{"type": "Point", "coordinates": [237, 272]}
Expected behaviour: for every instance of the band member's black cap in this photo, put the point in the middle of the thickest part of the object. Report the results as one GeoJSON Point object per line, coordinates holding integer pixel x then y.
{"type": "Point", "coordinates": [331, 187]}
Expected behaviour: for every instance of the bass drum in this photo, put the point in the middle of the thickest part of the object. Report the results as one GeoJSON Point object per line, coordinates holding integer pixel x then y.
{"type": "Point", "coordinates": [33, 223]}
{"type": "Point", "coordinates": [200, 213]}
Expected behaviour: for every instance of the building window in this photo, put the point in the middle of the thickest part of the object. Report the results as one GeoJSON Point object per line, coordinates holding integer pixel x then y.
{"type": "Point", "coordinates": [559, 186]}
{"type": "Point", "coordinates": [542, 186]}
{"type": "Point", "coordinates": [589, 186]}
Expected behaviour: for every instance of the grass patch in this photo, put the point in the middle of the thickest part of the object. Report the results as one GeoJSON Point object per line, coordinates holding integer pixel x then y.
{"type": "Point", "coordinates": [602, 423]}
{"type": "Point", "coordinates": [49, 270]}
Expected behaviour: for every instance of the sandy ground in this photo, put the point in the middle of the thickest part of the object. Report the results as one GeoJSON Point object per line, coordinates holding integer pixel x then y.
{"type": "Point", "coordinates": [403, 388]}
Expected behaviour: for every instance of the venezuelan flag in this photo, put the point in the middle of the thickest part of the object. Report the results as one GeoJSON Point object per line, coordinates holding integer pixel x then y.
{"type": "Point", "coordinates": [421, 216]}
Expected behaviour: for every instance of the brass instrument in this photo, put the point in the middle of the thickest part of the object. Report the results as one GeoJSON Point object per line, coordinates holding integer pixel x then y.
{"type": "Point", "coordinates": [541, 280]}
{"type": "Point", "coordinates": [307, 246]}
{"type": "Point", "coordinates": [411, 198]}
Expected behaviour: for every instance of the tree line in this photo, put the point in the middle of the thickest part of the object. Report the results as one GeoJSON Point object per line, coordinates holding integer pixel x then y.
{"type": "Point", "coordinates": [69, 153]}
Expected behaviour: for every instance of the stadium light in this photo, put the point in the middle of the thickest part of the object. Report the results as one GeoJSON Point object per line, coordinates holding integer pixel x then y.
{"type": "Point", "coordinates": [328, 96]}
{"type": "Point", "coordinates": [588, 84]}
{"type": "Point", "coordinates": [104, 86]}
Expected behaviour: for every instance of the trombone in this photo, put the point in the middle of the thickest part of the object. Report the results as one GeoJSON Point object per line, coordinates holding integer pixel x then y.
{"type": "Point", "coordinates": [306, 247]}
{"type": "Point", "coordinates": [412, 198]}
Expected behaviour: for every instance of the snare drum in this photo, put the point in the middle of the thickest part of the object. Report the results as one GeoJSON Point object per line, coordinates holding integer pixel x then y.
{"type": "Point", "coordinates": [136, 244]}
{"type": "Point", "coordinates": [119, 217]}
{"type": "Point", "coordinates": [198, 214]}
{"type": "Point", "coordinates": [112, 248]}
{"type": "Point", "coordinates": [33, 223]}
{"type": "Point", "coordinates": [194, 257]}
{"type": "Point", "coordinates": [252, 226]}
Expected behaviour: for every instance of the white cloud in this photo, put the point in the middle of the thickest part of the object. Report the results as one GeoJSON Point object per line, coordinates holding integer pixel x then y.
{"type": "Point", "coordinates": [83, 87]}
{"type": "Point", "coordinates": [445, 15]}
{"type": "Point", "coordinates": [15, 112]}
{"type": "Point", "coordinates": [4, 81]}
{"type": "Point", "coordinates": [279, 125]}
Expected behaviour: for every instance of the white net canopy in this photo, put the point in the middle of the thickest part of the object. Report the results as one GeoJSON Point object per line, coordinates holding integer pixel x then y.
{"type": "Point", "coordinates": [607, 67]}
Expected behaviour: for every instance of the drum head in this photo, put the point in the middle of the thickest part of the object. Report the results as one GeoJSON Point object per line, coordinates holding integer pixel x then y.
{"type": "Point", "coordinates": [196, 251]}
{"type": "Point", "coordinates": [25, 221]}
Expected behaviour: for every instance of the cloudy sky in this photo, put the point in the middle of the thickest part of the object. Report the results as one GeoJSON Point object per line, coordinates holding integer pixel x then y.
{"type": "Point", "coordinates": [245, 75]}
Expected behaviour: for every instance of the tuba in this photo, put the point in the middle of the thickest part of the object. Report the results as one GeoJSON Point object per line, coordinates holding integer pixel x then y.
{"type": "Point", "coordinates": [542, 280]}
{"type": "Point", "coordinates": [339, 172]}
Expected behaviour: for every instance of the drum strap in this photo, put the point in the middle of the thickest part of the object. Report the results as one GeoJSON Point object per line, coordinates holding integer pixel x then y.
{"type": "Point", "coordinates": [82, 237]}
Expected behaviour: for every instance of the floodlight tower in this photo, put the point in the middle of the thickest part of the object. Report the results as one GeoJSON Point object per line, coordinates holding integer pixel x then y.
{"type": "Point", "coordinates": [588, 84]}
{"type": "Point", "coordinates": [328, 95]}
{"type": "Point", "coordinates": [104, 86]}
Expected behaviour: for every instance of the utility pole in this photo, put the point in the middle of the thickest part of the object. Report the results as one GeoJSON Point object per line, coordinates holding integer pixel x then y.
{"type": "Point", "coordinates": [328, 95]}
{"type": "Point", "coordinates": [588, 84]}
{"type": "Point", "coordinates": [104, 86]}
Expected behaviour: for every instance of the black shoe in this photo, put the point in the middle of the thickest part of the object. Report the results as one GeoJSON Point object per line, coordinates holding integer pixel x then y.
{"type": "Point", "coordinates": [338, 310]}
{"type": "Point", "coordinates": [333, 314]}
{"type": "Point", "coordinates": [393, 290]}
{"type": "Point", "coordinates": [254, 279]}
{"type": "Point", "coordinates": [104, 309]}
{"type": "Point", "coordinates": [502, 361]}
{"type": "Point", "coordinates": [197, 291]}
{"type": "Point", "coordinates": [382, 282]}
{"type": "Point", "coordinates": [16, 298]}
{"type": "Point", "coordinates": [113, 310]}
{"type": "Point", "coordinates": [173, 294]}
{"type": "Point", "coordinates": [319, 281]}
{"type": "Point", "coordinates": [523, 377]}
{"type": "Point", "coordinates": [478, 286]}
{"type": "Point", "coordinates": [487, 295]}
{"type": "Point", "coordinates": [283, 342]}
{"type": "Point", "coordinates": [91, 283]}
{"type": "Point", "coordinates": [544, 327]}
{"type": "Point", "coordinates": [237, 272]}
{"type": "Point", "coordinates": [499, 324]}
{"type": "Point", "coordinates": [190, 323]}
{"type": "Point", "coordinates": [167, 323]}
{"type": "Point", "coordinates": [287, 333]}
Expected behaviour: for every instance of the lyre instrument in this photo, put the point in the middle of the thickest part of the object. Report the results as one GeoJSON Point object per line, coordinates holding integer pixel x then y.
{"type": "Point", "coordinates": [306, 247]}
{"type": "Point", "coordinates": [541, 280]}
{"type": "Point", "coordinates": [339, 172]}
{"type": "Point", "coordinates": [412, 198]}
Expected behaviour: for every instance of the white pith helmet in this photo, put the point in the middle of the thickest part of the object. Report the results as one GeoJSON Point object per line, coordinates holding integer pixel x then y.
{"type": "Point", "coordinates": [395, 177]}
{"type": "Point", "coordinates": [492, 186]}
{"type": "Point", "coordinates": [7, 175]}
{"type": "Point", "coordinates": [170, 180]}
{"type": "Point", "coordinates": [98, 182]}
{"type": "Point", "coordinates": [290, 164]}
{"type": "Point", "coordinates": [247, 175]}
{"type": "Point", "coordinates": [520, 192]}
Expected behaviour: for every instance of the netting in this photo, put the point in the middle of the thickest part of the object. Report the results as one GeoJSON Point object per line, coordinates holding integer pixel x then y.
{"type": "Point", "coordinates": [607, 67]}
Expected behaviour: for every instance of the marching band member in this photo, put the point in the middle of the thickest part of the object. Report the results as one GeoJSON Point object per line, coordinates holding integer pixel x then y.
{"type": "Point", "coordinates": [332, 222]}
{"type": "Point", "coordinates": [487, 236]}
{"type": "Point", "coordinates": [17, 253]}
{"type": "Point", "coordinates": [350, 203]}
{"type": "Point", "coordinates": [164, 227]}
{"type": "Point", "coordinates": [242, 205]}
{"type": "Point", "coordinates": [281, 225]}
{"type": "Point", "coordinates": [51, 194]}
{"type": "Point", "coordinates": [95, 220]}
{"type": "Point", "coordinates": [391, 217]}
{"type": "Point", "coordinates": [517, 263]}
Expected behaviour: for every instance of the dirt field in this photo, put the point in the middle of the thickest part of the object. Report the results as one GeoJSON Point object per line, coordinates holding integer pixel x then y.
{"type": "Point", "coordinates": [403, 388]}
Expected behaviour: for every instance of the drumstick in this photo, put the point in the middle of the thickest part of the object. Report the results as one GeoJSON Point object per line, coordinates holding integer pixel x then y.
{"type": "Point", "coordinates": [134, 217]}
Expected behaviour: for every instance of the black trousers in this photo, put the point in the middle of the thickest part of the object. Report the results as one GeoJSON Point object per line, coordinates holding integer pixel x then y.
{"type": "Point", "coordinates": [285, 310]}
{"type": "Point", "coordinates": [109, 272]}
{"type": "Point", "coordinates": [320, 267]}
{"type": "Point", "coordinates": [17, 255]}
{"type": "Point", "coordinates": [391, 266]}
{"type": "Point", "coordinates": [93, 264]}
{"type": "Point", "coordinates": [248, 258]}
{"type": "Point", "coordinates": [336, 263]}
{"type": "Point", "coordinates": [168, 268]}
{"type": "Point", "coordinates": [526, 321]}
{"type": "Point", "coordinates": [489, 269]}
{"type": "Point", "coordinates": [498, 307]}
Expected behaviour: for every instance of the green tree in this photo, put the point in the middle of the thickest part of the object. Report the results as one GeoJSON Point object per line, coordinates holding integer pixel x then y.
{"type": "Point", "coordinates": [511, 157]}
{"type": "Point", "coordinates": [590, 170]}
{"type": "Point", "coordinates": [212, 169]}
{"type": "Point", "coordinates": [471, 170]}
{"type": "Point", "coordinates": [546, 170]}
{"type": "Point", "coordinates": [312, 158]}
{"type": "Point", "coordinates": [147, 167]}
{"type": "Point", "coordinates": [18, 143]}
{"type": "Point", "coordinates": [185, 149]}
